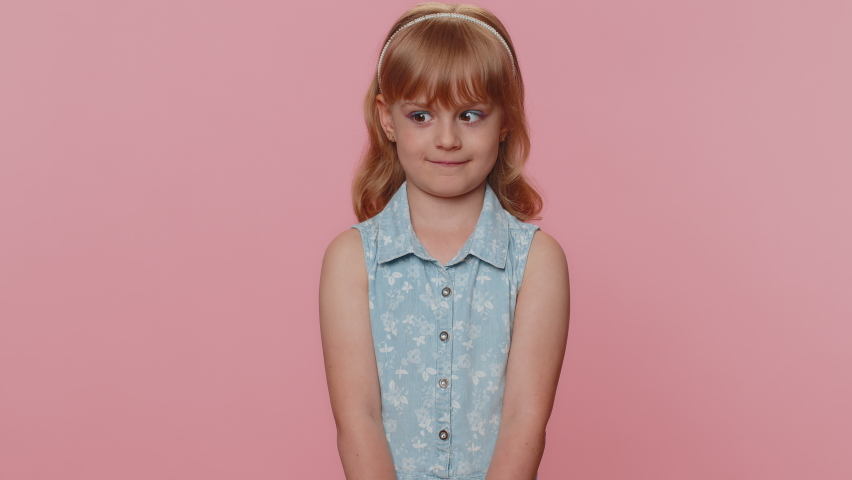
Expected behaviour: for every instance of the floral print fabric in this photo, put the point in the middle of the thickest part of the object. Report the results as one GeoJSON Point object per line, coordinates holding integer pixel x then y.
{"type": "Point", "coordinates": [442, 335]}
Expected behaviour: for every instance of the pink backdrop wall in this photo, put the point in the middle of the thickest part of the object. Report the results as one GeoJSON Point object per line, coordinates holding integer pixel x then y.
{"type": "Point", "coordinates": [171, 173]}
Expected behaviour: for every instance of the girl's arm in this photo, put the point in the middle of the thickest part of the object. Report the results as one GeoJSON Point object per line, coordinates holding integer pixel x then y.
{"type": "Point", "coordinates": [535, 361]}
{"type": "Point", "coordinates": [350, 361]}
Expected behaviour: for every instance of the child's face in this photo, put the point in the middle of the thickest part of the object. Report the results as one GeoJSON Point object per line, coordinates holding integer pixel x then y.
{"type": "Point", "coordinates": [446, 152]}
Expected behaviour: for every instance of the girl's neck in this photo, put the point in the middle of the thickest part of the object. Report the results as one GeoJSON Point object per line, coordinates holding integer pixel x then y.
{"type": "Point", "coordinates": [441, 224]}
{"type": "Point", "coordinates": [445, 214]}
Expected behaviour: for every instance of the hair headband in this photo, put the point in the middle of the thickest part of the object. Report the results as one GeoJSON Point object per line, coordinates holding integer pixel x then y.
{"type": "Point", "coordinates": [436, 15]}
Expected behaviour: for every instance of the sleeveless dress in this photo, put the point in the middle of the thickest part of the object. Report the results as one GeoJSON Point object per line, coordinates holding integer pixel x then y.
{"type": "Point", "coordinates": [441, 335]}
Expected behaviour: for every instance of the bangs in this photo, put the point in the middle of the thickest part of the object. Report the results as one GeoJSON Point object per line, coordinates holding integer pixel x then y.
{"type": "Point", "coordinates": [446, 62]}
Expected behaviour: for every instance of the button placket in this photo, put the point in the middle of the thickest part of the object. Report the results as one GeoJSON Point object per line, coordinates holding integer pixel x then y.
{"type": "Point", "coordinates": [443, 394]}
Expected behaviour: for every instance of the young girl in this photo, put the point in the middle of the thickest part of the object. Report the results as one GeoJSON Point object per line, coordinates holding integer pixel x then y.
{"type": "Point", "coordinates": [439, 364]}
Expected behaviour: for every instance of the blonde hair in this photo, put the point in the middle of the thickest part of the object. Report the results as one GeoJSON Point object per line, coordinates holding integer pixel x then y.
{"type": "Point", "coordinates": [449, 61]}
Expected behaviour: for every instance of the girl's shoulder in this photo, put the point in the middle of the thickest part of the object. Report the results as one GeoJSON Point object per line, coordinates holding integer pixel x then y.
{"type": "Point", "coordinates": [520, 233]}
{"type": "Point", "coordinates": [344, 248]}
{"type": "Point", "coordinates": [343, 264]}
{"type": "Point", "coordinates": [358, 243]}
{"type": "Point", "coordinates": [533, 248]}
{"type": "Point", "coordinates": [532, 236]}
{"type": "Point", "coordinates": [545, 254]}
{"type": "Point", "coordinates": [369, 227]}
{"type": "Point", "coordinates": [518, 227]}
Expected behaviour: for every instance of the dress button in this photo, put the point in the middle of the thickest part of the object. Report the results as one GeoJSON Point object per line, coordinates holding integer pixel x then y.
{"type": "Point", "coordinates": [443, 434]}
{"type": "Point", "coordinates": [443, 382]}
{"type": "Point", "coordinates": [446, 291]}
{"type": "Point", "coordinates": [444, 336]}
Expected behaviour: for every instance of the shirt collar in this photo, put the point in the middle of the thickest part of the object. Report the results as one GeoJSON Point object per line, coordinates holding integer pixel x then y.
{"type": "Point", "coordinates": [489, 240]}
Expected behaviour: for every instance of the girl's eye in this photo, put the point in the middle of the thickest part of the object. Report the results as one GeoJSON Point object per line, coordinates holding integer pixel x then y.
{"type": "Point", "coordinates": [469, 117]}
{"type": "Point", "coordinates": [419, 117]}
{"type": "Point", "coordinates": [477, 116]}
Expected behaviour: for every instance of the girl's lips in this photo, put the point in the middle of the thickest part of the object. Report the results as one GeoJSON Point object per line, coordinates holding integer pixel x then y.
{"type": "Point", "coordinates": [449, 164]}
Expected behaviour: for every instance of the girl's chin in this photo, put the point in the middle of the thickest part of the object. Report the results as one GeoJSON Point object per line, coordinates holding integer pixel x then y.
{"type": "Point", "coordinates": [448, 185]}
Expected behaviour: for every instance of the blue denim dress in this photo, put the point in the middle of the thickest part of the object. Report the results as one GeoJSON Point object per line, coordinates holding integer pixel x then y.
{"type": "Point", "coordinates": [441, 335]}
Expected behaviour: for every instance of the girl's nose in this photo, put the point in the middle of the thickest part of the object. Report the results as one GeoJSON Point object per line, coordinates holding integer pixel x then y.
{"type": "Point", "coordinates": [447, 136]}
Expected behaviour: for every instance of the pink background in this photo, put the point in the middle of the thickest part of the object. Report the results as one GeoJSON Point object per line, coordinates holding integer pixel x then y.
{"type": "Point", "coordinates": [171, 173]}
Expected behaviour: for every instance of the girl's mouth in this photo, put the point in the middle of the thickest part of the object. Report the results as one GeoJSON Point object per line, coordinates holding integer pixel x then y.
{"type": "Point", "coordinates": [448, 164]}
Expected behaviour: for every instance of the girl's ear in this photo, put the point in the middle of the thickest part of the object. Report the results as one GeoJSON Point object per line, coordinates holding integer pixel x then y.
{"type": "Point", "coordinates": [385, 115]}
{"type": "Point", "coordinates": [504, 130]}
